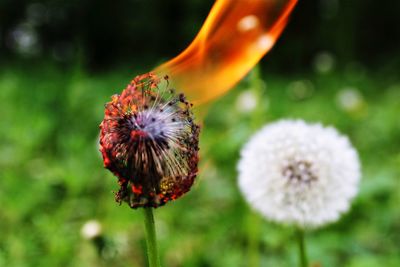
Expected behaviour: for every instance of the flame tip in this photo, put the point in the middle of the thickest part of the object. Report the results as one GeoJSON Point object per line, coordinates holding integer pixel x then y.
{"type": "Point", "coordinates": [234, 37]}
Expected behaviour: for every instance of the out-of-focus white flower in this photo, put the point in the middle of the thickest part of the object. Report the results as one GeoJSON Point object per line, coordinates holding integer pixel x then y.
{"type": "Point", "coordinates": [324, 62]}
{"type": "Point", "coordinates": [299, 174]}
{"type": "Point", "coordinates": [91, 229]}
{"type": "Point", "coordinates": [246, 101]}
{"type": "Point", "coordinates": [300, 90]}
{"type": "Point", "coordinates": [349, 99]}
{"type": "Point", "coordinates": [24, 39]}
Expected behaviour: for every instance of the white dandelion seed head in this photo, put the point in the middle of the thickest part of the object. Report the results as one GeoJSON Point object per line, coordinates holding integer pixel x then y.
{"type": "Point", "coordinates": [299, 174]}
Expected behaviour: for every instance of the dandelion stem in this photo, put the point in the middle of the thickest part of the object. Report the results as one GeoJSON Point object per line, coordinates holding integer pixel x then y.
{"type": "Point", "coordinates": [303, 261]}
{"type": "Point", "coordinates": [256, 84]}
{"type": "Point", "coordinates": [152, 252]}
{"type": "Point", "coordinates": [253, 232]}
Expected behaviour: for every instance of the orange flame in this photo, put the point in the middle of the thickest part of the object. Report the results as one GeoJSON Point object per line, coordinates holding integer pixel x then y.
{"type": "Point", "coordinates": [234, 37]}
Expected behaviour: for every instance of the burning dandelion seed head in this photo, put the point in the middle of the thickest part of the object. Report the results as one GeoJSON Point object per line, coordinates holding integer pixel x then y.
{"type": "Point", "coordinates": [149, 140]}
{"type": "Point", "coordinates": [298, 173]}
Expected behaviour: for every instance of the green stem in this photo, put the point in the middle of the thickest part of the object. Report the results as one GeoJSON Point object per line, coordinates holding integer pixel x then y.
{"type": "Point", "coordinates": [152, 252]}
{"type": "Point", "coordinates": [253, 232]}
{"type": "Point", "coordinates": [257, 87]}
{"type": "Point", "coordinates": [303, 261]}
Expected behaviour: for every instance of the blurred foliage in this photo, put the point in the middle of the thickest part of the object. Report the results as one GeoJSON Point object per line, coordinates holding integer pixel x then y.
{"type": "Point", "coordinates": [52, 178]}
{"type": "Point", "coordinates": [60, 61]}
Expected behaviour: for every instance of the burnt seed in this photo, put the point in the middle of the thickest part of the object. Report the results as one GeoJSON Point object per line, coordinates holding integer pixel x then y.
{"type": "Point", "coordinates": [182, 98]}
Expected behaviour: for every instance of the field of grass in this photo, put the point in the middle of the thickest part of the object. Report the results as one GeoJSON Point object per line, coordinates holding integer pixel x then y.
{"type": "Point", "coordinates": [52, 179]}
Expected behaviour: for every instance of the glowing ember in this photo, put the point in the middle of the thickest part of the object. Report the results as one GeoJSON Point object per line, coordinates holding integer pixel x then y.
{"type": "Point", "coordinates": [234, 37]}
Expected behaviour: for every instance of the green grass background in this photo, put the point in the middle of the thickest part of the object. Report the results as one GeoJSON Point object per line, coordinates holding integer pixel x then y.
{"type": "Point", "coordinates": [52, 179]}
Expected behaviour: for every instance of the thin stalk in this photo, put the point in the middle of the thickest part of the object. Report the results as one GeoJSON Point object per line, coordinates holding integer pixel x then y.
{"type": "Point", "coordinates": [257, 88]}
{"type": "Point", "coordinates": [253, 232]}
{"type": "Point", "coordinates": [151, 240]}
{"type": "Point", "coordinates": [303, 261]}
